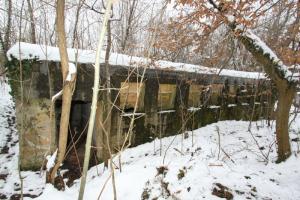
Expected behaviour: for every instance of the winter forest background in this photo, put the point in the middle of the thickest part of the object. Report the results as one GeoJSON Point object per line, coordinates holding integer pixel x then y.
{"type": "Point", "coordinates": [226, 159]}
{"type": "Point", "coordinates": [134, 20]}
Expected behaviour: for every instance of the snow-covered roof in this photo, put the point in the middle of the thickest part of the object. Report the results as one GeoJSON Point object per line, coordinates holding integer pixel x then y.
{"type": "Point", "coordinates": [43, 52]}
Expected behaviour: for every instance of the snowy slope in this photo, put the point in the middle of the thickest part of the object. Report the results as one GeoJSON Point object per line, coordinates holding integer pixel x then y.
{"type": "Point", "coordinates": [245, 164]}
{"type": "Point", "coordinates": [241, 166]}
{"type": "Point", "coordinates": [9, 151]}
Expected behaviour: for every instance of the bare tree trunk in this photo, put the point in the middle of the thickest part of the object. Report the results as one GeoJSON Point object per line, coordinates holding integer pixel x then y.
{"type": "Point", "coordinates": [107, 95]}
{"type": "Point", "coordinates": [8, 27]}
{"type": "Point", "coordinates": [285, 85]}
{"type": "Point", "coordinates": [32, 25]}
{"type": "Point", "coordinates": [22, 103]}
{"type": "Point", "coordinates": [68, 88]}
{"type": "Point", "coordinates": [129, 24]}
{"type": "Point", "coordinates": [3, 57]}
{"type": "Point", "coordinates": [94, 102]}
{"type": "Point", "coordinates": [75, 34]}
{"type": "Point", "coordinates": [285, 99]}
{"type": "Point", "coordinates": [286, 92]}
{"type": "Point", "coordinates": [109, 107]}
{"type": "Point", "coordinates": [103, 112]}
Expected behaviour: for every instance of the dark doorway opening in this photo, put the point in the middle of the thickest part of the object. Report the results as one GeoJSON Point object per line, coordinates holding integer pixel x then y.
{"type": "Point", "coordinates": [78, 125]}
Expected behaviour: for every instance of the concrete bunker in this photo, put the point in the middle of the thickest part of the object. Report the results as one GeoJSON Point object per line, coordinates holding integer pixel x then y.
{"type": "Point", "coordinates": [172, 99]}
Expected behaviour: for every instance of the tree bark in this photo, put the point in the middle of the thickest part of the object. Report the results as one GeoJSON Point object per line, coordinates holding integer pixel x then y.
{"type": "Point", "coordinates": [68, 88]}
{"type": "Point", "coordinates": [107, 101]}
{"type": "Point", "coordinates": [75, 33]}
{"type": "Point", "coordinates": [285, 99]}
{"type": "Point", "coordinates": [286, 92]}
{"type": "Point", "coordinates": [285, 85]}
{"type": "Point", "coordinates": [8, 28]}
{"type": "Point", "coordinates": [32, 25]}
{"type": "Point", "coordinates": [94, 102]}
{"type": "Point", "coordinates": [3, 58]}
{"type": "Point", "coordinates": [109, 107]}
{"type": "Point", "coordinates": [129, 24]}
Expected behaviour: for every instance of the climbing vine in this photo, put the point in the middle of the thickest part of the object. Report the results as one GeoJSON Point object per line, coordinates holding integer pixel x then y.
{"type": "Point", "coordinates": [13, 68]}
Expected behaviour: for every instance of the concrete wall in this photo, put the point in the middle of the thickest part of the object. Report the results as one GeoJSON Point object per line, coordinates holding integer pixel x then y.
{"type": "Point", "coordinates": [34, 116]}
{"type": "Point", "coordinates": [227, 98]}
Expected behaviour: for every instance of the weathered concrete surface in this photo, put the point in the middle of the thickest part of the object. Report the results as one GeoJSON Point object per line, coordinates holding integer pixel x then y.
{"type": "Point", "coordinates": [34, 116]}
{"type": "Point", "coordinates": [37, 139]}
{"type": "Point", "coordinates": [220, 98]}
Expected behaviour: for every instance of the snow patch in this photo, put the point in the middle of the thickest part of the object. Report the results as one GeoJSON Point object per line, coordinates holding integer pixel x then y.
{"type": "Point", "coordinates": [231, 18]}
{"type": "Point", "coordinates": [72, 70]}
{"type": "Point", "coordinates": [193, 109]}
{"type": "Point", "coordinates": [267, 51]}
{"type": "Point", "coordinates": [231, 105]}
{"type": "Point", "coordinates": [214, 107]}
{"type": "Point", "coordinates": [166, 111]}
{"type": "Point", "coordinates": [51, 160]}
{"type": "Point", "coordinates": [131, 114]}
{"type": "Point", "coordinates": [240, 166]}
{"type": "Point", "coordinates": [56, 95]}
{"type": "Point", "coordinates": [9, 136]}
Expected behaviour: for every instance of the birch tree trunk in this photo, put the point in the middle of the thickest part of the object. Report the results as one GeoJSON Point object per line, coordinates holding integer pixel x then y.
{"type": "Point", "coordinates": [109, 107]}
{"type": "Point", "coordinates": [107, 100]}
{"type": "Point", "coordinates": [94, 101]}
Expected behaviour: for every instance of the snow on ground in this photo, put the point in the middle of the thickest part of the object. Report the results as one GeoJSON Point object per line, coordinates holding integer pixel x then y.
{"type": "Point", "coordinates": [190, 168]}
{"type": "Point", "coordinates": [193, 170]}
{"type": "Point", "coordinates": [9, 151]}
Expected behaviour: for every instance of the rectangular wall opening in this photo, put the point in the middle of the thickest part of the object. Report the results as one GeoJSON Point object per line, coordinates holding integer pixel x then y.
{"type": "Point", "coordinates": [77, 132]}
{"type": "Point", "coordinates": [166, 96]}
{"type": "Point", "coordinates": [130, 93]}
